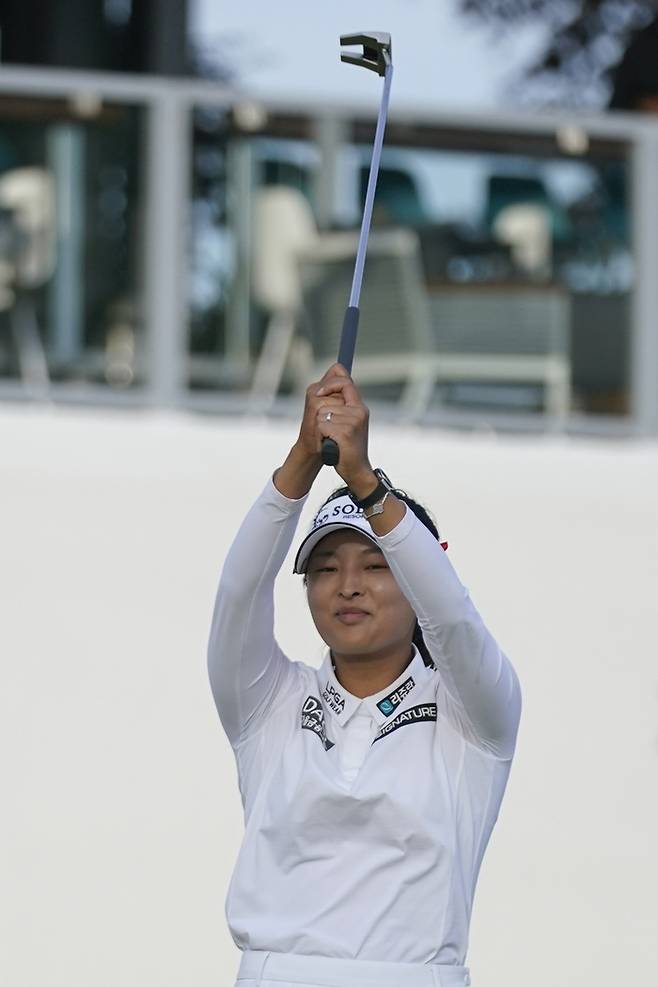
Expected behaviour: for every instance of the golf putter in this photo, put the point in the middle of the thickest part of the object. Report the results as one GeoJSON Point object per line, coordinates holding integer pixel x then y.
{"type": "Point", "coordinates": [377, 57]}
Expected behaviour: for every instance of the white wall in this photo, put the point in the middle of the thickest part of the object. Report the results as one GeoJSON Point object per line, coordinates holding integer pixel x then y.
{"type": "Point", "coordinates": [120, 817]}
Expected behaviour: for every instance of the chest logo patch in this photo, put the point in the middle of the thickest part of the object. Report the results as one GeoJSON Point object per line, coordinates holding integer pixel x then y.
{"type": "Point", "coordinates": [333, 698]}
{"type": "Point", "coordinates": [391, 702]}
{"type": "Point", "coordinates": [415, 714]}
{"type": "Point", "coordinates": [313, 719]}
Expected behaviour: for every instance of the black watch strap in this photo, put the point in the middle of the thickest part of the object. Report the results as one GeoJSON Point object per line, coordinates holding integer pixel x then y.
{"type": "Point", "coordinates": [376, 494]}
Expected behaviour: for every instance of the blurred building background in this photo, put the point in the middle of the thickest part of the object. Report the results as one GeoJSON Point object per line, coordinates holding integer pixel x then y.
{"type": "Point", "coordinates": [167, 237]}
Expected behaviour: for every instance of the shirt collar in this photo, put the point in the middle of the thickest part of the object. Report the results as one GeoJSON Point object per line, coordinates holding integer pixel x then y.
{"type": "Point", "coordinates": [382, 705]}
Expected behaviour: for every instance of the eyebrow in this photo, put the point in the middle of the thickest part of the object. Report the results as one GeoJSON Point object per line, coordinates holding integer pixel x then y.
{"type": "Point", "coordinates": [364, 551]}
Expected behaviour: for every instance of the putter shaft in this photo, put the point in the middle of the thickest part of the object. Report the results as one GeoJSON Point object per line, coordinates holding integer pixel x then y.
{"type": "Point", "coordinates": [357, 280]}
{"type": "Point", "coordinates": [377, 56]}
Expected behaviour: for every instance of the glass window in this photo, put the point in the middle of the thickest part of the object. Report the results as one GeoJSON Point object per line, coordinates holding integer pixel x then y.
{"type": "Point", "coordinates": [70, 222]}
{"type": "Point", "coordinates": [230, 304]}
{"type": "Point", "coordinates": [524, 271]}
{"type": "Point", "coordinates": [514, 221]}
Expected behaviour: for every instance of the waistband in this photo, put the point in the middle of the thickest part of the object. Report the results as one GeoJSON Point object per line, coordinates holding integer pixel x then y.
{"type": "Point", "coordinates": [258, 965]}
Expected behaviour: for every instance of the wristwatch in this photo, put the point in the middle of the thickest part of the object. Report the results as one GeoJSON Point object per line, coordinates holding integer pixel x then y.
{"type": "Point", "coordinates": [374, 502]}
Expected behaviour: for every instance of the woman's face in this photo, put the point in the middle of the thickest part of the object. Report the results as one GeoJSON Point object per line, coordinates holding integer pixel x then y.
{"type": "Point", "coordinates": [348, 571]}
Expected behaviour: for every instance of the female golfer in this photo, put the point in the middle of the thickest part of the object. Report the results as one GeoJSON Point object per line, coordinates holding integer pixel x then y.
{"type": "Point", "coordinates": [370, 786]}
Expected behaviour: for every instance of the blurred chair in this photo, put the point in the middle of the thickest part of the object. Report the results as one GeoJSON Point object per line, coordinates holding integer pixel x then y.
{"type": "Point", "coordinates": [526, 228]}
{"type": "Point", "coordinates": [504, 190]}
{"type": "Point", "coordinates": [284, 229]}
{"type": "Point", "coordinates": [398, 201]}
{"type": "Point", "coordinates": [303, 278]}
{"type": "Point", "coordinates": [456, 333]}
{"type": "Point", "coordinates": [507, 333]}
{"type": "Point", "coordinates": [283, 224]}
{"type": "Point", "coordinates": [521, 212]}
{"type": "Point", "coordinates": [27, 200]}
{"type": "Point", "coordinates": [395, 342]}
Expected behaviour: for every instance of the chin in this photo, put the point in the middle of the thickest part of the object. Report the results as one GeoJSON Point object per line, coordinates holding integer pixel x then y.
{"type": "Point", "coordinates": [350, 644]}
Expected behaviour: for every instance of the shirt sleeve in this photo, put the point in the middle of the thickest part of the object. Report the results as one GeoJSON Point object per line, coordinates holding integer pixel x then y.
{"type": "Point", "coordinates": [247, 669]}
{"type": "Point", "coordinates": [479, 689]}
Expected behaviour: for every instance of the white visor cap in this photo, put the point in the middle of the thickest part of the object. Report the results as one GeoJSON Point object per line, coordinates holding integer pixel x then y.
{"type": "Point", "coordinates": [339, 513]}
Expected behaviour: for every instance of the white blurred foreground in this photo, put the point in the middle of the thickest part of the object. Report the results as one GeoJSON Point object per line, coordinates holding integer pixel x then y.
{"type": "Point", "coordinates": [121, 816]}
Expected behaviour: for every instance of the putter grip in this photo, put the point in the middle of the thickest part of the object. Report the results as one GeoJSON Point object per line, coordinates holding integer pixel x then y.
{"type": "Point", "coordinates": [330, 450]}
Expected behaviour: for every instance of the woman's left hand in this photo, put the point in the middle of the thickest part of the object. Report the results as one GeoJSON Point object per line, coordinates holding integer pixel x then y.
{"type": "Point", "coordinates": [348, 426]}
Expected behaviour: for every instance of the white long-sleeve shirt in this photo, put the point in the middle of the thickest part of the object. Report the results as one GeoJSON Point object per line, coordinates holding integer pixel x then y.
{"type": "Point", "coordinates": [366, 820]}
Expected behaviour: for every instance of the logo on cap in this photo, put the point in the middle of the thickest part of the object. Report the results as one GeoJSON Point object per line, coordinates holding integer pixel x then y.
{"type": "Point", "coordinates": [339, 512]}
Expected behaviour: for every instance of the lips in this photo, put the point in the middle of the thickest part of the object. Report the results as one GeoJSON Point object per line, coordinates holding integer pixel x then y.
{"type": "Point", "coordinates": [352, 616]}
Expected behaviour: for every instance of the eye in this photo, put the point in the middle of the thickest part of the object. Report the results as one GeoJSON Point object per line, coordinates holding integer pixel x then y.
{"type": "Point", "coordinates": [377, 565]}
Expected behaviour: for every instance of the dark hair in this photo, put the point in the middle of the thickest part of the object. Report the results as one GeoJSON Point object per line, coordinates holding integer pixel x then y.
{"type": "Point", "coordinates": [423, 515]}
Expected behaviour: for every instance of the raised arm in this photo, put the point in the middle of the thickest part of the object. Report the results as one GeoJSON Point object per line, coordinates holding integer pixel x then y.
{"type": "Point", "coordinates": [482, 695]}
{"type": "Point", "coordinates": [479, 689]}
{"type": "Point", "coordinates": [248, 671]}
{"type": "Point", "coordinates": [246, 666]}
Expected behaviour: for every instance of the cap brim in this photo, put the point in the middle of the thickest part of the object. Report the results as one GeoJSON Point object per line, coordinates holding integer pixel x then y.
{"type": "Point", "coordinates": [313, 537]}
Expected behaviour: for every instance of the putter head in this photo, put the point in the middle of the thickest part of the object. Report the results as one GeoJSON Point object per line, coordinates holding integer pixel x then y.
{"type": "Point", "coordinates": [376, 50]}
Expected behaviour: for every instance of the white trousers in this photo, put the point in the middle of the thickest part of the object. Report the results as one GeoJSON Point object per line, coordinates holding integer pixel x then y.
{"type": "Point", "coordinates": [261, 968]}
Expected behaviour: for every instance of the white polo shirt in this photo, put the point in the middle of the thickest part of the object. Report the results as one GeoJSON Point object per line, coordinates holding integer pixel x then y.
{"type": "Point", "coordinates": [366, 820]}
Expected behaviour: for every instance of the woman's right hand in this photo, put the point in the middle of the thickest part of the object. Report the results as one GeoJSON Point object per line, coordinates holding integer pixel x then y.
{"type": "Point", "coordinates": [307, 442]}
{"type": "Point", "coordinates": [295, 477]}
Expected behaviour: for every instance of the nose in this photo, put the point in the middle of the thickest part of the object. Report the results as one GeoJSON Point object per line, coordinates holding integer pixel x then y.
{"type": "Point", "coordinates": [350, 583]}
